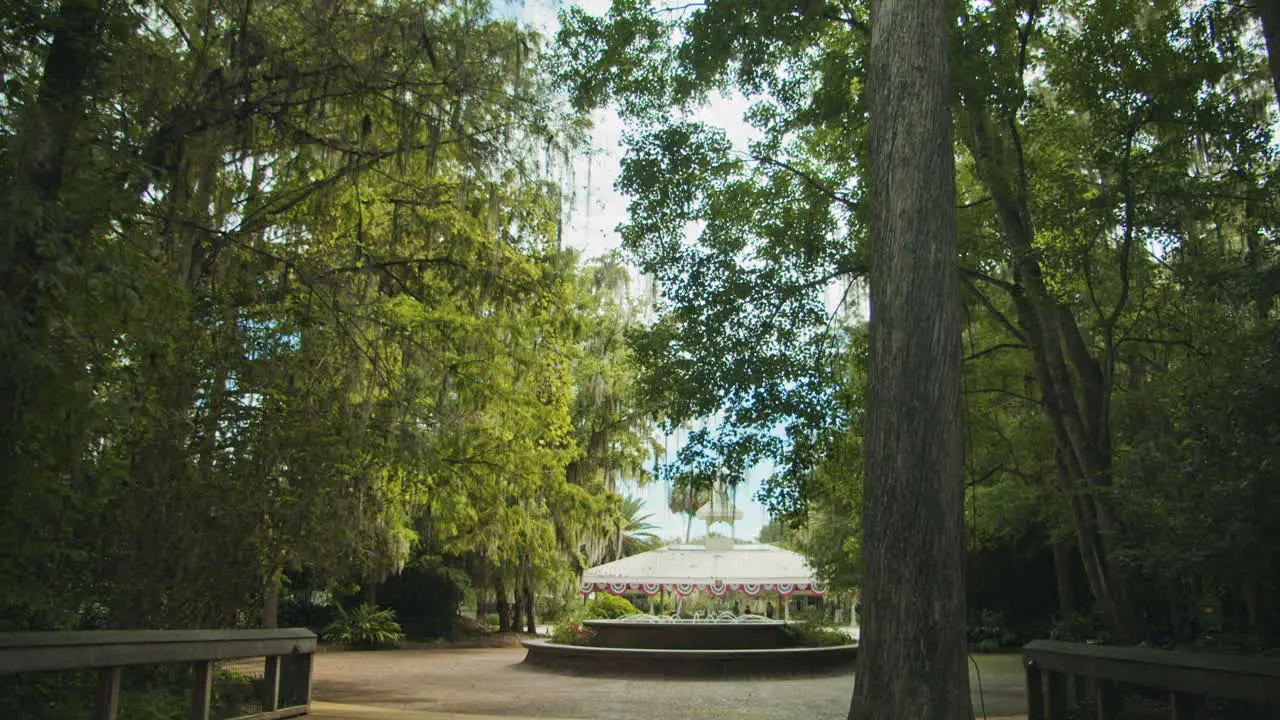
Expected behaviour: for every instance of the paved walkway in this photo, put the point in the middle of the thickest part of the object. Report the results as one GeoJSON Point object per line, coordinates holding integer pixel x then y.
{"type": "Point", "coordinates": [485, 684]}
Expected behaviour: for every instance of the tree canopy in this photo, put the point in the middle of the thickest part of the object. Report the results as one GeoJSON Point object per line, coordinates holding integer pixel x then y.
{"type": "Point", "coordinates": [1116, 212]}
{"type": "Point", "coordinates": [283, 288]}
{"type": "Point", "coordinates": [284, 292]}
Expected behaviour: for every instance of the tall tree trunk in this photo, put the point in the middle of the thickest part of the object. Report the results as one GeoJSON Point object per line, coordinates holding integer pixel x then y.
{"type": "Point", "coordinates": [36, 231]}
{"type": "Point", "coordinates": [1064, 572]}
{"type": "Point", "coordinates": [911, 660]}
{"type": "Point", "coordinates": [271, 601]}
{"type": "Point", "coordinates": [370, 595]}
{"type": "Point", "coordinates": [530, 620]}
{"type": "Point", "coordinates": [504, 616]}
{"type": "Point", "coordinates": [1268, 12]}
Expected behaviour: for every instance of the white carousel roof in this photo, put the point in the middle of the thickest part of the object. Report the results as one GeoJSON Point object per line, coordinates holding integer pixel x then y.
{"type": "Point", "coordinates": [696, 564]}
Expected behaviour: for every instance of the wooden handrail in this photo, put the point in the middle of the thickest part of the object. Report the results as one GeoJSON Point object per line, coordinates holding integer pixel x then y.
{"type": "Point", "coordinates": [1186, 676]}
{"type": "Point", "coordinates": [47, 651]}
{"type": "Point", "coordinates": [109, 651]}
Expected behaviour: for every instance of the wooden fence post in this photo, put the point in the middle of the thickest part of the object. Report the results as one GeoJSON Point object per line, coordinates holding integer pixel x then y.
{"type": "Point", "coordinates": [271, 684]}
{"type": "Point", "coordinates": [108, 694]}
{"type": "Point", "coordinates": [1056, 699]}
{"type": "Point", "coordinates": [1035, 692]}
{"type": "Point", "coordinates": [302, 680]}
{"type": "Point", "coordinates": [1108, 699]}
{"type": "Point", "coordinates": [203, 691]}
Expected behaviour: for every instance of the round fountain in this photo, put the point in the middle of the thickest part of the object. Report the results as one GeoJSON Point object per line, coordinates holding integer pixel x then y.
{"type": "Point", "coordinates": [674, 647]}
{"type": "Point", "coordinates": [719, 644]}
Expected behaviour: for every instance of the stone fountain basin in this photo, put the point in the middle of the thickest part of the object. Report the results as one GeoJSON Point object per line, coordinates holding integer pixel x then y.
{"type": "Point", "coordinates": [687, 635]}
{"type": "Point", "coordinates": [676, 663]}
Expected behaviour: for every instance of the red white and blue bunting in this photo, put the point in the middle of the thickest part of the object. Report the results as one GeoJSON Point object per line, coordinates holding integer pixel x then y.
{"type": "Point", "coordinates": [717, 589]}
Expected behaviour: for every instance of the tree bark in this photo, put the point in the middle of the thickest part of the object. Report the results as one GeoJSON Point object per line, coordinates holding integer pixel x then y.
{"type": "Point", "coordinates": [504, 616]}
{"type": "Point", "coordinates": [43, 151]}
{"type": "Point", "coordinates": [1268, 12]}
{"type": "Point", "coordinates": [911, 662]}
{"type": "Point", "coordinates": [271, 601]}
{"type": "Point", "coordinates": [530, 620]}
{"type": "Point", "coordinates": [370, 596]}
{"type": "Point", "coordinates": [1064, 572]}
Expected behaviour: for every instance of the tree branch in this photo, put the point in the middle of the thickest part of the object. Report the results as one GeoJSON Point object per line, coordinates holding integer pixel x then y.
{"type": "Point", "coordinates": [1002, 284]}
{"type": "Point", "coordinates": [1002, 391]}
{"type": "Point", "coordinates": [994, 348]}
{"type": "Point", "coordinates": [999, 316]}
{"type": "Point", "coordinates": [809, 180]}
{"type": "Point", "coordinates": [974, 203]}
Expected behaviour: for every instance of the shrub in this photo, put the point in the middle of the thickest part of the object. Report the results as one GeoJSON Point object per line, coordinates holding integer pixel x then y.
{"type": "Point", "coordinates": [988, 633]}
{"type": "Point", "coordinates": [812, 615]}
{"type": "Point", "coordinates": [559, 606]}
{"type": "Point", "coordinates": [610, 607]}
{"type": "Point", "coordinates": [366, 627]}
{"type": "Point", "coordinates": [1079, 627]}
{"type": "Point", "coordinates": [233, 693]}
{"type": "Point", "coordinates": [803, 634]}
{"type": "Point", "coordinates": [573, 633]}
{"type": "Point", "coordinates": [152, 705]}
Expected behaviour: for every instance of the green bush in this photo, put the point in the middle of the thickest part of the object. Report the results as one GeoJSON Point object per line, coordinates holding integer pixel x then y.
{"type": "Point", "coordinates": [555, 607]}
{"type": "Point", "coordinates": [492, 620]}
{"type": "Point", "coordinates": [233, 694]}
{"type": "Point", "coordinates": [1079, 627]}
{"type": "Point", "coordinates": [804, 634]}
{"type": "Point", "coordinates": [573, 633]}
{"type": "Point", "coordinates": [366, 627]}
{"type": "Point", "coordinates": [812, 615]}
{"type": "Point", "coordinates": [988, 633]}
{"type": "Point", "coordinates": [153, 705]}
{"type": "Point", "coordinates": [55, 696]}
{"type": "Point", "coordinates": [610, 607]}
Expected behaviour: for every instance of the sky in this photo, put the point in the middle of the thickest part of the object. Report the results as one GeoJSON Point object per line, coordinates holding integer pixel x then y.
{"type": "Point", "coordinates": [592, 224]}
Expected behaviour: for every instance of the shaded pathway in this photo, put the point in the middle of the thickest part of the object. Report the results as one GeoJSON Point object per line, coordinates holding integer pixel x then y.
{"type": "Point", "coordinates": [435, 684]}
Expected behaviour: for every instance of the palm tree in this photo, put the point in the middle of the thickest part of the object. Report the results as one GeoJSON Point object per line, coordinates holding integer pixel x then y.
{"type": "Point", "coordinates": [685, 499]}
{"type": "Point", "coordinates": [634, 529]}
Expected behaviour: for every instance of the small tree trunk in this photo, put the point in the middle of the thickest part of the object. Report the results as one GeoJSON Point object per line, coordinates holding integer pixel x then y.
{"type": "Point", "coordinates": [370, 596]}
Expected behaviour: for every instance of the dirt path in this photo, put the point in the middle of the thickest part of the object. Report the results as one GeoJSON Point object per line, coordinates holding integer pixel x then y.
{"type": "Point", "coordinates": [493, 682]}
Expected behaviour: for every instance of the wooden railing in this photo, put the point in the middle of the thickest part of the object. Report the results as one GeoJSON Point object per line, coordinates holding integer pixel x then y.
{"type": "Point", "coordinates": [1187, 677]}
{"type": "Point", "coordinates": [109, 652]}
